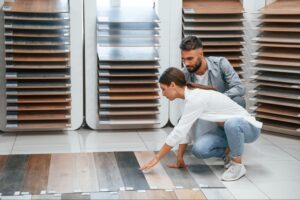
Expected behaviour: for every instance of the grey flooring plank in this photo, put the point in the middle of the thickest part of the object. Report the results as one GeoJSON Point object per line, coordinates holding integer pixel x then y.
{"type": "Point", "coordinates": [104, 195]}
{"type": "Point", "coordinates": [201, 172]}
{"type": "Point", "coordinates": [129, 168]}
{"type": "Point", "coordinates": [75, 196]}
{"type": "Point", "coordinates": [13, 173]}
{"type": "Point", "coordinates": [180, 177]}
{"type": "Point", "coordinates": [108, 173]}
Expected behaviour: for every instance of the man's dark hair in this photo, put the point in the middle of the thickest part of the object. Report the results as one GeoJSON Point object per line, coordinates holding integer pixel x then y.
{"type": "Point", "coordinates": [190, 43]}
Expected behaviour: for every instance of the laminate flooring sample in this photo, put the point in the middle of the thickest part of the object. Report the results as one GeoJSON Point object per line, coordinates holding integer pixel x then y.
{"type": "Point", "coordinates": [278, 101]}
{"type": "Point", "coordinates": [157, 178]}
{"type": "Point", "coordinates": [282, 7]}
{"type": "Point", "coordinates": [189, 194]}
{"type": "Point", "coordinates": [278, 118]}
{"type": "Point", "coordinates": [108, 172]}
{"type": "Point", "coordinates": [279, 110]}
{"type": "Point", "coordinates": [12, 175]}
{"type": "Point", "coordinates": [129, 169]}
{"type": "Point", "coordinates": [281, 78]}
{"type": "Point", "coordinates": [275, 84]}
{"type": "Point", "coordinates": [75, 196]}
{"type": "Point", "coordinates": [36, 175]}
{"type": "Point", "coordinates": [37, 6]}
{"type": "Point", "coordinates": [128, 65]}
{"type": "Point", "coordinates": [283, 69]}
{"type": "Point", "coordinates": [180, 177]}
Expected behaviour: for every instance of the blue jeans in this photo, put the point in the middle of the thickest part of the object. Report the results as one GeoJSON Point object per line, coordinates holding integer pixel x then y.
{"type": "Point", "coordinates": [235, 133]}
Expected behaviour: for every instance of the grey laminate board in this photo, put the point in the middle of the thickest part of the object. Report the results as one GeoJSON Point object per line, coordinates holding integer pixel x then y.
{"type": "Point", "coordinates": [281, 78]}
{"type": "Point", "coordinates": [62, 74]}
{"type": "Point", "coordinates": [125, 121]}
{"type": "Point", "coordinates": [278, 92]}
{"type": "Point", "coordinates": [278, 61]}
{"type": "Point", "coordinates": [128, 33]}
{"type": "Point", "coordinates": [283, 69]}
{"type": "Point", "coordinates": [132, 195]}
{"type": "Point", "coordinates": [276, 84]}
{"type": "Point", "coordinates": [46, 197]}
{"type": "Point", "coordinates": [128, 42]}
{"type": "Point", "coordinates": [128, 26]}
{"type": "Point", "coordinates": [180, 177]}
{"type": "Point", "coordinates": [212, 27]}
{"type": "Point", "coordinates": [25, 25]}
{"type": "Point", "coordinates": [108, 173]}
{"type": "Point", "coordinates": [12, 175]}
{"type": "Point", "coordinates": [104, 195]}
{"type": "Point", "coordinates": [212, 18]}
{"type": "Point", "coordinates": [128, 80]}
{"type": "Point", "coordinates": [278, 101]}
{"type": "Point", "coordinates": [129, 104]}
{"type": "Point", "coordinates": [215, 34]}
{"type": "Point", "coordinates": [278, 118]}
{"type": "Point", "coordinates": [128, 112]}
{"type": "Point", "coordinates": [37, 16]}
{"type": "Point", "coordinates": [291, 38]}
{"type": "Point", "coordinates": [129, 96]}
{"type": "Point", "coordinates": [128, 88]}
{"type": "Point", "coordinates": [128, 73]}
{"type": "Point", "coordinates": [129, 65]}
{"type": "Point", "coordinates": [281, 45]}
{"type": "Point", "coordinates": [75, 196]}
{"type": "Point", "coordinates": [201, 172]}
{"type": "Point", "coordinates": [129, 169]}
{"type": "Point", "coordinates": [37, 66]}
{"type": "Point", "coordinates": [279, 53]}
{"type": "Point", "coordinates": [129, 14]}
{"type": "Point", "coordinates": [127, 54]}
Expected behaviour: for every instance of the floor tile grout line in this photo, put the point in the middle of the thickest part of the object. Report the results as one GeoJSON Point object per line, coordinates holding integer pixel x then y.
{"type": "Point", "coordinates": [138, 132]}
{"type": "Point", "coordinates": [257, 187]}
{"type": "Point", "coordinates": [282, 149]}
{"type": "Point", "coordinates": [12, 148]}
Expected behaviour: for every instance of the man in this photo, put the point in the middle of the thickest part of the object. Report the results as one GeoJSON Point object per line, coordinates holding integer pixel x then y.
{"type": "Point", "coordinates": [214, 71]}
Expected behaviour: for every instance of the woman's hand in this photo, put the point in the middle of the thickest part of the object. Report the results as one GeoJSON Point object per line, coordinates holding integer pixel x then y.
{"type": "Point", "coordinates": [150, 164]}
{"type": "Point", "coordinates": [179, 164]}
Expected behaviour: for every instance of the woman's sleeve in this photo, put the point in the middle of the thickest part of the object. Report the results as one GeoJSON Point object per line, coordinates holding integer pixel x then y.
{"type": "Point", "coordinates": [192, 111]}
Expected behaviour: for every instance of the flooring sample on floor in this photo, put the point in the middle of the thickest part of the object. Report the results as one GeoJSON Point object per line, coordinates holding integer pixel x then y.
{"type": "Point", "coordinates": [45, 197]}
{"type": "Point", "coordinates": [62, 173]}
{"type": "Point", "coordinates": [108, 172]}
{"type": "Point", "coordinates": [133, 195]}
{"type": "Point", "coordinates": [104, 195]}
{"type": "Point", "coordinates": [189, 194]}
{"type": "Point", "coordinates": [86, 173]}
{"type": "Point", "coordinates": [75, 196]}
{"type": "Point", "coordinates": [202, 174]}
{"type": "Point", "coordinates": [36, 176]}
{"type": "Point", "coordinates": [129, 168]}
{"type": "Point", "coordinates": [12, 175]}
{"type": "Point", "coordinates": [3, 159]}
{"type": "Point", "coordinates": [157, 178]}
{"type": "Point", "coordinates": [161, 194]}
{"type": "Point", "coordinates": [180, 177]}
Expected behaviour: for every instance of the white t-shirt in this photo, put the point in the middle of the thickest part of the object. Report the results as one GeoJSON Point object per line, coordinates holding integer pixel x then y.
{"type": "Point", "coordinates": [202, 79]}
{"type": "Point", "coordinates": [208, 105]}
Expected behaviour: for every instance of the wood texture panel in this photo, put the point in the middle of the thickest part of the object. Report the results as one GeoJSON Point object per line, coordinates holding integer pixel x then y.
{"type": "Point", "coordinates": [180, 177]}
{"type": "Point", "coordinates": [37, 6]}
{"type": "Point", "coordinates": [278, 101]}
{"type": "Point", "coordinates": [161, 194]}
{"type": "Point", "coordinates": [282, 7]}
{"type": "Point", "coordinates": [292, 112]}
{"type": "Point", "coordinates": [189, 194]}
{"type": "Point", "coordinates": [129, 169]}
{"type": "Point", "coordinates": [157, 178]}
{"type": "Point", "coordinates": [12, 175]}
{"type": "Point", "coordinates": [278, 118]}
{"type": "Point", "coordinates": [36, 176]}
{"type": "Point", "coordinates": [108, 172]}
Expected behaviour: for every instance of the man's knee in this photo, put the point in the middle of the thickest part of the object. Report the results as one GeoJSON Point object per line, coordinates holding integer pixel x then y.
{"type": "Point", "coordinates": [200, 152]}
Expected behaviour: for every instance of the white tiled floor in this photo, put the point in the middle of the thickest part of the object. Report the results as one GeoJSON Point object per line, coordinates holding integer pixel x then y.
{"type": "Point", "coordinates": [272, 162]}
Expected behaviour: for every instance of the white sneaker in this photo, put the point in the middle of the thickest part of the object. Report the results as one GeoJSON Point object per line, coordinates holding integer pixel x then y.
{"type": "Point", "coordinates": [227, 162]}
{"type": "Point", "coordinates": [234, 172]}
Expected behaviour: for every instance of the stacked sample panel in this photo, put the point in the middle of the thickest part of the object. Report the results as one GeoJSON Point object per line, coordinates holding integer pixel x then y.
{"type": "Point", "coordinates": [219, 24]}
{"type": "Point", "coordinates": [278, 67]}
{"type": "Point", "coordinates": [37, 55]}
{"type": "Point", "coordinates": [127, 45]}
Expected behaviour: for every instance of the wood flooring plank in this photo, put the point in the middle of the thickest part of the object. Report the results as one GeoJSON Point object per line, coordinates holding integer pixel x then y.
{"type": "Point", "coordinates": [108, 172]}
{"type": "Point", "coordinates": [12, 175]}
{"type": "Point", "coordinates": [86, 173]}
{"type": "Point", "coordinates": [3, 159]}
{"type": "Point", "coordinates": [104, 195]}
{"type": "Point", "coordinates": [62, 173]}
{"type": "Point", "coordinates": [161, 194]}
{"type": "Point", "coordinates": [180, 177]}
{"type": "Point", "coordinates": [133, 195]}
{"type": "Point", "coordinates": [157, 177]}
{"type": "Point", "coordinates": [129, 169]}
{"type": "Point", "coordinates": [202, 174]}
{"type": "Point", "coordinates": [189, 194]}
{"type": "Point", "coordinates": [75, 196]}
{"type": "Point", "coordinates": [36, 177]}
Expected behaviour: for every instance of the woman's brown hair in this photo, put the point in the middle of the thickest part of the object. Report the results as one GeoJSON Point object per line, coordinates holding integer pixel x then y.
{"type": "Point", "coordinates": [175, 75]}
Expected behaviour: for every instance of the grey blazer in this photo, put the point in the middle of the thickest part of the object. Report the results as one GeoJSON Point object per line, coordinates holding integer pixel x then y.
{"type": "Point", "coordinates": [222, 76]}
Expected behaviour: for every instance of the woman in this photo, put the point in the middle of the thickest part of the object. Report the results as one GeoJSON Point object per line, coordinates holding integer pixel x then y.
{"type": "Point", "coordinates": [236, 125]}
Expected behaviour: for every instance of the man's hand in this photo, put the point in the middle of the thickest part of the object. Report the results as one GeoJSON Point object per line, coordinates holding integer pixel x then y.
{"type": "Point", "coordinates": [179, 164]}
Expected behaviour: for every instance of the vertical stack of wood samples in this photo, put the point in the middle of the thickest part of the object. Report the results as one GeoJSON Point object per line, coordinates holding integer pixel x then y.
{"type": "Point", "coordinates": [128, 40]}
{"type": "Point", "coordinates": [219, 24]}
{"type": "Point", "coordinates": [278, 67]}
{"type": "Point", "coordinates": [37, 55]}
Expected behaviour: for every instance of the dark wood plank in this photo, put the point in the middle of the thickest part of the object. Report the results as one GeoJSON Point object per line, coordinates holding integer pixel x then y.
{"type": "Point", "coordinates": [278, 101]}
{"type": "Point", "coordinates": [108, 173]}
{"type": "Point", "coordinates": [279, 110]}
{"type": "Point", "coordinates": [36, 177]}
{"type": "Point", "coordinates": [129, 169]}
{"type": "Point", "coordinates": [180, 177]}
{"type": "Point", "coordinates": [3, 159]}
{"type": "Point", "coordinates": [12, 175]}
{"type": "Point", "coordinates": [279, 118]}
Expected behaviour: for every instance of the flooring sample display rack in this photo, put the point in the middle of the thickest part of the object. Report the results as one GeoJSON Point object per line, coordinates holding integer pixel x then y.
{"type": "Point", "coordinates": [38, 66]}
{"type": "Point", "coordinates": [219, 24]}
{"type": "Point", "coordinates": [277, 66]}
{"type": "Point", "coordinates": [126, 51]}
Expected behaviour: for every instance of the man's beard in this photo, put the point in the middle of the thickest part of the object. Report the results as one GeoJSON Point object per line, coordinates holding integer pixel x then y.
{"type": "Point", "coordinates": [196, 67]}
